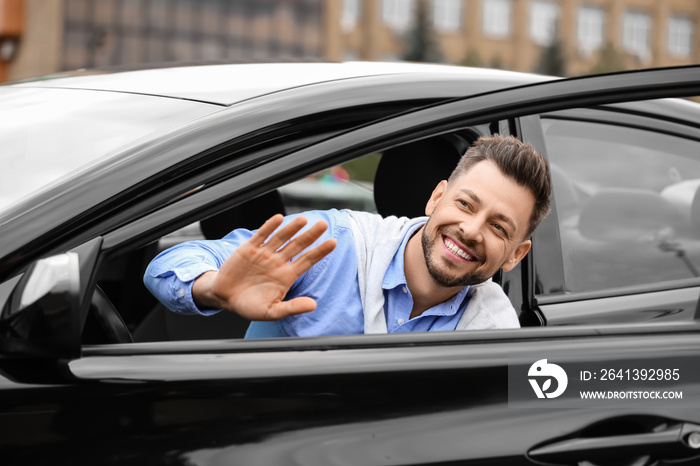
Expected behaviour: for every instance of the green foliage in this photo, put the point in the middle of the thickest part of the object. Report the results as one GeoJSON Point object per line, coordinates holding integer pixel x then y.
{"type": "Point", "coordinates": [363, 169]}
{"type": "Point", "coordinates": [472, 59]}
{"type": "Point", "coordinates": [609, 60]}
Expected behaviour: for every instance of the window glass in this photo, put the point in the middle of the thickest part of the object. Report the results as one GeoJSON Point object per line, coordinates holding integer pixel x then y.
{"type": "Point", "coordinates": [590, 29]}
{"type": "Point", "coordinates": [447, 15]}
{"type": "Point", "coordinates": [543, 21]}
{"type": "Point", "coordinates": [680, 36]}
{"type": "Point", "coordinates": [628, 204]}
{"type": "Point", "coordinates": [497, 18]}
{"type": "Point", "coordinates": [636, 31]}
{"type": "Point", "coordinates": [351, 13]}
{"type": "Point", "coordinates": [398, 14]}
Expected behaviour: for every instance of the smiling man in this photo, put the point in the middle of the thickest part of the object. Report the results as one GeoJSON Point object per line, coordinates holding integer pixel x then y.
{"type": "Point", "coordinates": [356, 272]}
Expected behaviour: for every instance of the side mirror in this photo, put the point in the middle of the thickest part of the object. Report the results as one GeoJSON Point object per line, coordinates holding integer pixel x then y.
{"type": "Point", "coordinates": [41, 318]}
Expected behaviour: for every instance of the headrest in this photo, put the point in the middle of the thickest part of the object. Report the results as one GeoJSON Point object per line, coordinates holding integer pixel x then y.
{"type": "Point", "coordinates": [685, 197]}
{"type": "Point", "coordinates": [408, 174]}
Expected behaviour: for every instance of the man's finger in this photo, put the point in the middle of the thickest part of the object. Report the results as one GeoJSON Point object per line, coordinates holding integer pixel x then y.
{"type": "Point", "coordinates": [292, 307]}
{"type": "Point", "coordinates": [312, 256]}
{"type": "Point", "coordinates": [266, 229]}
{"type": "Point", "coordinates": [304, 240]}
{"type": "Point", "coordinates": [285, 233]}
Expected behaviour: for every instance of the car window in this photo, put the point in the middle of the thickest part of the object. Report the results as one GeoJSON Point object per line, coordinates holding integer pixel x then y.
{"type": "Point", "coordinates": [627, 203]}
{"type": "Point", "coordinates": [400, 179]}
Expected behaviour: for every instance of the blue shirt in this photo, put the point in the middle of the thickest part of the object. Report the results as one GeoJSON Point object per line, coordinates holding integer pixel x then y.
{"type": "Point", "coordinates": [332, 282]}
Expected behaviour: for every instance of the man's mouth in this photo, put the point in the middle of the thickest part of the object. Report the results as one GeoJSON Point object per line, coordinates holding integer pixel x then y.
{"type": "Point", "coordinates": [455, 249]}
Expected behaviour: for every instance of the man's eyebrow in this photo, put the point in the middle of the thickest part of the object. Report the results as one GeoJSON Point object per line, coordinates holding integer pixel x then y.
{"type": "Point", "coordinates": [472, 195]}
{"type": "Point", "coordinates": [475, 198]}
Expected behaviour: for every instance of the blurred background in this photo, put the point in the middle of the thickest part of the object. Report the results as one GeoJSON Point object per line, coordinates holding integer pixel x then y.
{"type": "Point", "coordinates": [557, 37]}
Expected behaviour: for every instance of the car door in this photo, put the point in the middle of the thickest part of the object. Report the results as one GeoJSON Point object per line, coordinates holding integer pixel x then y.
{"type": "Point", "coordinates": [481, 397]}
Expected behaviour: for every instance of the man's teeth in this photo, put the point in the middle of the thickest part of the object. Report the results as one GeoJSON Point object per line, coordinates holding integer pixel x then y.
{"type": "Point", "coordinates": [456, 250]}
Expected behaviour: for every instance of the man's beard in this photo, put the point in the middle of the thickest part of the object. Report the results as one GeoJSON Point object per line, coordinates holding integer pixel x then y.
{"type": "Point", "coordinates": [440, 277]}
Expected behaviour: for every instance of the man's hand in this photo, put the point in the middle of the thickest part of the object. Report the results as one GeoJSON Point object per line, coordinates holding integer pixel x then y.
{"type": "Point", "coordinates": [254, 280]}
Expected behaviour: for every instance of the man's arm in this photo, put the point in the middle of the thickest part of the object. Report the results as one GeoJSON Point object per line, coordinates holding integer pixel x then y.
{"type": "Point", "coordinates": [248, 273]}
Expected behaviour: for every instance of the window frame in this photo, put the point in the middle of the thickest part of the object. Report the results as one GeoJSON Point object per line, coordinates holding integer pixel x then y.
{"type": "Point", "coordinates": [680, 42]}
{"type": "Point", "coordinates": [497, 18]}
{"type": "Point", "coordinates": [590, 17]}
{"type": "Point", "coordinates": [544, 20]}
{"type": "Point", "coordinates": [447, 15]}
{"type": "Point", "coordinates": [637, 32]}
{"type": "Point", "coordinates": [398, 14]}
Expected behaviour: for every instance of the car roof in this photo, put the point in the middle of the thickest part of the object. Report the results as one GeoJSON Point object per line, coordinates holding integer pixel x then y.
{"type": "Point", "coordinates": [227, 84]}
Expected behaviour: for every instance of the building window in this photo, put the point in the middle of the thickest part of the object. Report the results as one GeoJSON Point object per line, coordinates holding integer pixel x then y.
{"type": "Point", "coordinates": [398, 13]}
{"type": "Point", "coordinates": [497, 15]}
{"type": "Point", "coordinates": [680, 36]}
{"type": "Point", "coordinates": [543, 22]}
{"type": "Point", "coordinates": [636, 31]}
{"type": "Point", "coordinates": [350, 15]}
{"type": "Point", "coordinates": [591, 24]}
{"type": "Point", "coordinates": [447, 15]}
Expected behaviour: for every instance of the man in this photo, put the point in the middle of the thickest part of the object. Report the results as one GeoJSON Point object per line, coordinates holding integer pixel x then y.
{"type": "Point", "coordinates": [355, 272]}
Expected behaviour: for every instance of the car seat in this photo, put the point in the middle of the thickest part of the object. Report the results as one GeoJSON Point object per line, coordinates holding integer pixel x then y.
{"type": "Point", "coordinates": [408, 174]}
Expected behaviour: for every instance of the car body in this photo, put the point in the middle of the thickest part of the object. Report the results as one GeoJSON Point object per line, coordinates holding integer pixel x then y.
{"type": "Point", "coordinates": [108, 168]}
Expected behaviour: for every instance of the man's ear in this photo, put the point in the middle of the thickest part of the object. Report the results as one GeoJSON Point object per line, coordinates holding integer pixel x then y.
{"type": "Point", "coordinates": [518, 255]}
{"type": "Point", "coordinates": [435, 197]}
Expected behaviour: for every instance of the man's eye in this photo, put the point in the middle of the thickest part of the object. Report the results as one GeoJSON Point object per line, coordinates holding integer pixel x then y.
{"type": "Point", "coordinates": [463, 203]}
{"type": "Point", "coordinates": [500, 228]}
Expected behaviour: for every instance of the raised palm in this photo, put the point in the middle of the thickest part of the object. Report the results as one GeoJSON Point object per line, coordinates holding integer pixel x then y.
{"type": "Point", "coordinates": [254, 280]}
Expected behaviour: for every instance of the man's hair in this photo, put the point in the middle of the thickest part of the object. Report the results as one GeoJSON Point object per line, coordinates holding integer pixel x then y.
{"type": "Point", "coordinates": [516, 160]}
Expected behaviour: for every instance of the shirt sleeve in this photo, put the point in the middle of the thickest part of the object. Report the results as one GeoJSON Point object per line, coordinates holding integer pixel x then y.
{"type": "Point", "coordinates": [169, 277]}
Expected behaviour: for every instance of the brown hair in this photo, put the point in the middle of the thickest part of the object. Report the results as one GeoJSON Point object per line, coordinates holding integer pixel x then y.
{"type": "Point", "coordinates": [516, 160]}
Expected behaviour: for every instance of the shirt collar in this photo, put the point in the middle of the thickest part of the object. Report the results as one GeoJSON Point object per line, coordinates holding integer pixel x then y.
{"type": "Point", "coordinates": [395, 275]}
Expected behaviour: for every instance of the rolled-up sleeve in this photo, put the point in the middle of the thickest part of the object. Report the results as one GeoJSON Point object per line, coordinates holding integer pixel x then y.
{"type": "Point", "coordinates": [169, 277]}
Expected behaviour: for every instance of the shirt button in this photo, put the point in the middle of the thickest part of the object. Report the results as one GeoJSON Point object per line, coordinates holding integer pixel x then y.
{"type": "Point", "coordinates": [401, 321]}
{"type": "Point", "coordinates": [182, 293]}
{"type": "Point", "coordinates": [404, 289]}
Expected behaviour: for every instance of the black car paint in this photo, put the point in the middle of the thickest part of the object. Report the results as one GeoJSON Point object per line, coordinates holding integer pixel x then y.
{"type": "Point", "coordinates": [421, 399]}
{"type": "Point", "coordinates": [394, 399]}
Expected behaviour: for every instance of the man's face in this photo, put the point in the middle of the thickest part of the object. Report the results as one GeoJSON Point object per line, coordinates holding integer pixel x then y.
{"type": "Point", "coordinates": [477, 225]}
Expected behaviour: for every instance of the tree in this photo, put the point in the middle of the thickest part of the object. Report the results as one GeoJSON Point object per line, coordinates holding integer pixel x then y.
{"type": "Point", "coordinates": [552, 60]}
{"type": "Point", "coordinates": [420, 45]}
{"type": "Point", "coordinates": [472, 59]}
{"type": "Point", "coordinates": [609, 60]}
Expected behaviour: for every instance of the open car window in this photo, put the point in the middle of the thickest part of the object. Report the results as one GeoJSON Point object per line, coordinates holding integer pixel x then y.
{"type": "Point", "coordinates": [368, 183]}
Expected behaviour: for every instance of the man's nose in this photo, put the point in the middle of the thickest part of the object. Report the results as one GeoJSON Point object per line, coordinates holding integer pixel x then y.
{"type": "Point", "coordinates": [472, 228]}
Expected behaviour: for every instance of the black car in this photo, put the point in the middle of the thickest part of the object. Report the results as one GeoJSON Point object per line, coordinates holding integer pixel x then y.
{"type": "Point", "coordinates": [102, 170]}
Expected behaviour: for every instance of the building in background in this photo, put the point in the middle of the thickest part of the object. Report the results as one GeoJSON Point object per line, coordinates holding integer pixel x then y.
{"type": "Point", "coordinates": [568, 37]}
{"type": "Point", "coordinates": [73, 34]}
{"type": "Point", "coordinates": [592, 35]}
